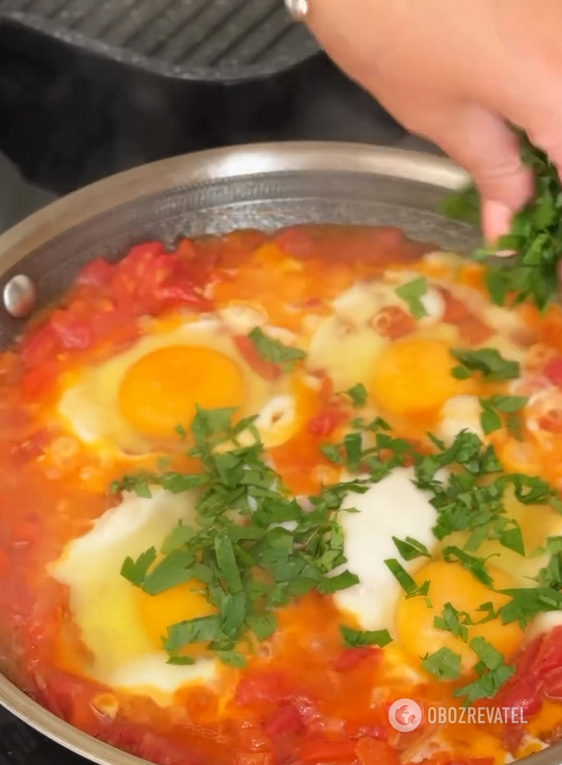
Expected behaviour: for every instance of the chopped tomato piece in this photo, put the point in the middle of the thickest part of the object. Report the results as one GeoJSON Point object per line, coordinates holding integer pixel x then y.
{"type": "Point", "coordinates": [551, 422]}
{"type": "Point", "coordinates": [372, 752]}
{"type": "Point", "coordinates": [186, 249]}
{"type": "Point", "coordinates": [549, 656]}
{"type": "Point", "coordinates": [553, 370]}
{"type": "Point", "coordinates": [528, 656]}
{"type": "Point", "coordinates": [296, 242]}
{"type": "Point", "coordinates": [552, 687]}
{"type": "Point", "coordinates": [471, 329]}
{"type": "Point", "coordinates": [393, 322]}
{"type": "Point", "coordinates": [149, 279]}
{"type": "Point", "coordinates": [286, 720]}
{"type": "Point", "coordinates": [263, 686]}
{"type": "Point", "coordinates": [178, 294]}
{"type": "Point", "coordinates": [249, 352]}
{"type": "Point", "coordinates": [97, 272]}
{"type": "Point", "coordinates": [72, 332]}
{"type": "Point", "coordinates": [323, 751]}
{"type": "Point", "coordinates": [325, 422]}
{"type": "Point", "coordinates": [39, 345]}
{"type": "Point", "coordinates": [354, 656]}
{"type": "Point", "coordinates": [524, 694]}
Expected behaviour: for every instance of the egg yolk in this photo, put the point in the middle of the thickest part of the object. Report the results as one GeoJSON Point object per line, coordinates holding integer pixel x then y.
{"type": "Point", "coordinates": [414, 375]}
{"type": "Point", "coordinates": [178, 604]}
{"type": "Point", "coordinates": [163, 388]}
{"type": "Point", "coordinates": [450, 583]}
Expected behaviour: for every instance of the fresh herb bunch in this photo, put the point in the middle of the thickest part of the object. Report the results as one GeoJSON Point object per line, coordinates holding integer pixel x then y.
{"type": "Point", "coordinates": [536, 236]}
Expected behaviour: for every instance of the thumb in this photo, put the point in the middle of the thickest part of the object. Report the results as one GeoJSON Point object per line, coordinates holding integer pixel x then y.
{"type": "Point", "coordinates": [483, 144]}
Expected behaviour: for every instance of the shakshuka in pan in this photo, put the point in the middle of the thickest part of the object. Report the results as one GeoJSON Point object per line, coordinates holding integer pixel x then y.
{"type": "Point", "coordinates": [257, 489]}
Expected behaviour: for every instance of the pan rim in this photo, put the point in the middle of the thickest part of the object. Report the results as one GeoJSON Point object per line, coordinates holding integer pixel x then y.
{"type": "Point", "coordinates": [200, 168]}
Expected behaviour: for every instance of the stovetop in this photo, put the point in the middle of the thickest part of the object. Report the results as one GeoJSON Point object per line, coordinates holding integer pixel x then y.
{"type": "Point", "coordinates": [21, 745]}
{"type": "Point", "coordinates": [44, 138]}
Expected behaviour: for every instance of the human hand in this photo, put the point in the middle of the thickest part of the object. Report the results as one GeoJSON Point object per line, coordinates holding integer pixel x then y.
{"type": "Point", "coordinates": [456, 73]}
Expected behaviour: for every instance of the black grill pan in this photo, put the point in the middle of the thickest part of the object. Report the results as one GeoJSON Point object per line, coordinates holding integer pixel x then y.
{"type": "Point", "coordinates": [206, 40]}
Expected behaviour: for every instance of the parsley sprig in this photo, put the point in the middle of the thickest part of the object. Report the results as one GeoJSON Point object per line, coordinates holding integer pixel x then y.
{"type": "Point", "coordinates": [499, 410]}
{"type": "Point", "coordinates": [412, 293]}
{"type": "Point", "coordinates": [536, 236]}
{"type": "Point", "coordinates": [274, 351]}
{"type": "Point", "coordinates": [488, 361]}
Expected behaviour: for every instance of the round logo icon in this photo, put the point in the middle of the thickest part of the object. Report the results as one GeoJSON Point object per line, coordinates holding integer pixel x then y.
{"type": "Point", "coordinates": [405, 715]}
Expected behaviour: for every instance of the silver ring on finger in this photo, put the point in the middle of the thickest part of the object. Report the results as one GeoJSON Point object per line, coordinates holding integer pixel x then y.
{"type": "Point", "coordinates": [298, 9]}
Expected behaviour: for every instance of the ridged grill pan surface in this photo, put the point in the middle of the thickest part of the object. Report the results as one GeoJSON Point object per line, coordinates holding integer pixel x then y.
{"type": "Point", "coordinates": [193, 39]}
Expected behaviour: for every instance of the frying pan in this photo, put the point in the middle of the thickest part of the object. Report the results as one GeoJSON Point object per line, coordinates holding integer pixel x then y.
{"type": "Point", "coordinates": [261, 186]}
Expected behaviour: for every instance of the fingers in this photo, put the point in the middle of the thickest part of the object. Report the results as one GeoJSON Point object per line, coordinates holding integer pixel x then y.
{"type": "Point", "coordinates": [484, 145]}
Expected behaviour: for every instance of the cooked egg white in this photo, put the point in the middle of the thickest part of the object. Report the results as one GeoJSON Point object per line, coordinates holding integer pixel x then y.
{"type": "Point", "coordinates": [344, 345]}
{"type": "Point", "coordinates": [394, 507]}
{"type": "Point", "coordinates": [348, 355]}
{"type": "Point", "coordinates": [120, 625]}
{"type": "Point", "coordinates": [242, 318]}
{"type": "Point", "coordinates": [457, 414]}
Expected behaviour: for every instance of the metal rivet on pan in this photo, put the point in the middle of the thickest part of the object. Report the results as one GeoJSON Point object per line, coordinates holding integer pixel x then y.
{"type": "Point", "coordinates": [19, 297]}
{"type": "Point", "coordinates": [298, 9]}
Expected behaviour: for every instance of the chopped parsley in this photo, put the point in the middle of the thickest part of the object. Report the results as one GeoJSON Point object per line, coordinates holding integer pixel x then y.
{"type": "Point", "coordinates": [453, 621]}
{"type": "Point", "coordinates": [488, 361]}
{"type": "Point", "coordinates": [357, 639]}
{"type": "Point", "coordinates": [444, 664]}
{"type": "Point", "coordinates": [274, 352]}
{"type": "Point", "coordinates": [499, 410]}
{"type": "Point", "coordinates": [411, 293]}
{"type": "Point", "coordinates": [405, 581]}
{"type": "Point", "coordinates": [410, 549]}
{"type": "Point", "coordinates": [253, 548]}
{"type": "Point", "coordinates": [491, 670]}
{"type": "Point", "coordinates": [358, 395]}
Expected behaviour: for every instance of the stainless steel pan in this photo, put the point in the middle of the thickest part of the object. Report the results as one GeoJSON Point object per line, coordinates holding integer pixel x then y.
{"type": "Point", "coordinates": [263, 186]}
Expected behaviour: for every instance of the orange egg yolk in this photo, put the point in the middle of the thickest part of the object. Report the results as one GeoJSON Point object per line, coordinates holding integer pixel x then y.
{"type": "Point", "coordinates": [181, 603]}
{"type": "Point", "coordinates": [450, 583]}
{"type": "Point", "coordinates": [414, 376]}
{"type": "Point", "coordinates": [162, 389]}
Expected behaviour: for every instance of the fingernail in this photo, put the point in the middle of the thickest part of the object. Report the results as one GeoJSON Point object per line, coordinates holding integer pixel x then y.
{"type": "Point", "coordinates": [496, 222]}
